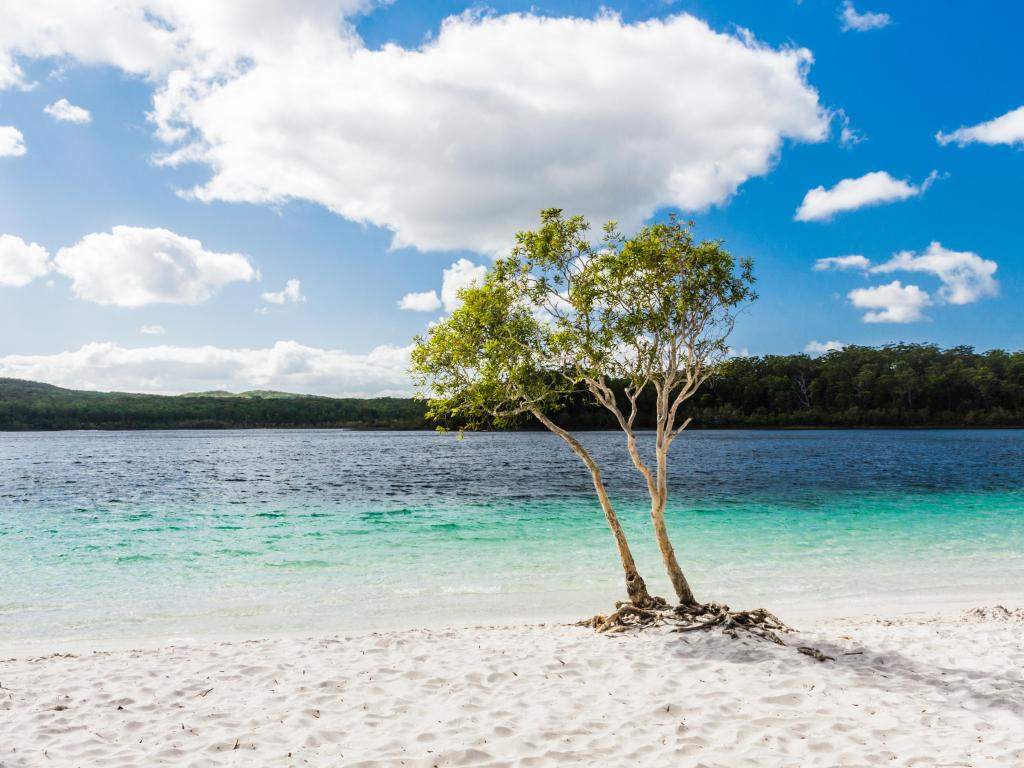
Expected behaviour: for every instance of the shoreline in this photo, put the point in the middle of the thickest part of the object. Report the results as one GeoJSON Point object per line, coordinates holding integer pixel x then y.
{"type": "Point", "coordinates": [802, 615]}
{"type": "Point", "coordinates": [533, 431]}
{"type": "Point", "coordinates": [903, 690]}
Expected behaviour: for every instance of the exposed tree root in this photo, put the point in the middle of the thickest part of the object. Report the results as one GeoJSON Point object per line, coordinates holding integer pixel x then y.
{"type": "Point", "coordinates": [758, 623]}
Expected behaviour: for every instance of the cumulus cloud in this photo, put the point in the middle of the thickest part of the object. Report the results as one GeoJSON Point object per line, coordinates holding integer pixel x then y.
{"type": "Point", "coordinates": [966, 277]}
{"type": "Point", "coordinates": [134, 266]}
{"type": "Point", "coordinates": [21, 262]}
{"type": "Point", "coordinates": [153, 38]}
{"type": "Point", "coordinates": [287, 365]}
{"type": "Point", "coordinates": [12, 142]}
{"type": "Point", "coordinates": [823, 347]}
{"type": "Point", "coordinates": [93, 32]}
{"type": "Point", "coordinates": [842, 263]}
{"type": "Point", "coordinates": [291, 294]}
{"type": "Point", "coordinates": [891, 303]}
{"type": "Point", "coordinates": [1005, 129]}
{"type": "Point", "coordinates": [875, 188]}
{"type": "Point", "coordinates": [461, 274]}
{"type": "Point", "coordinates": [861, 22]}
{"type": "Point", "coordinates": [422, 301]}
{"type": "Point", "coordinates": [64, 111]}
{"type": "Point", "coordinates": [456, 143]}
{"type": "Point", "coordinates": [152, 330]}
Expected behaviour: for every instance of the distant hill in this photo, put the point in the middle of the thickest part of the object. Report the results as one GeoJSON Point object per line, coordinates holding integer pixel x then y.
{"type": "Point", "coordinates": [901, 385]}
{"type": "Point", "coordinates": [252, 394]}
{"type": "Point", "coordinates": [31, 405]}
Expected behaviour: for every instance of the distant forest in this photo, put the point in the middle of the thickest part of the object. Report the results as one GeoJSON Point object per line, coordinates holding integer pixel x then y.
{"type": "Point", "coordinates": [903, 385]}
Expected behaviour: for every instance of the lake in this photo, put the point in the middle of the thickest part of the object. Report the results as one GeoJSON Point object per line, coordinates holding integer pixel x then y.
{"type": "Point", "coordinates": [161, 535]}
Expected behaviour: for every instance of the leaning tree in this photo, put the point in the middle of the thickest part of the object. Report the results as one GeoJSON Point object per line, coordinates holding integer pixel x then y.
{"type": "Point", "coordinates": [616, 319]}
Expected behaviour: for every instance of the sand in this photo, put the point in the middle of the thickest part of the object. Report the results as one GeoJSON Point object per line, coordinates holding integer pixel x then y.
{"type": "Point", "coordinates": [907, 692]}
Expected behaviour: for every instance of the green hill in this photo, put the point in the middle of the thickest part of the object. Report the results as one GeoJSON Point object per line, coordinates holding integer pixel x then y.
{"type": "Point", "coordinates": [902, 385]}
{"type": "Point", "coordinates": [30, 405]}
{"type": "Point", "coordinates": [252, 394]}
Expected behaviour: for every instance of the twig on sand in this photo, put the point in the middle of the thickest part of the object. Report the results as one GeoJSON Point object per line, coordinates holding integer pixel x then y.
{"type": "Point", "coordinates": [814, 653]}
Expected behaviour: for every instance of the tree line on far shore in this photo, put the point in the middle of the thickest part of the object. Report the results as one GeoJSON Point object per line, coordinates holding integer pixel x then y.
{"type": "Point", "coordinates": [900, 385]}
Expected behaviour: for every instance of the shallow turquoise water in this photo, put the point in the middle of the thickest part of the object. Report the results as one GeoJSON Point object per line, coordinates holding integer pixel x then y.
{"type": "Point", "coordinates": [135, 535]}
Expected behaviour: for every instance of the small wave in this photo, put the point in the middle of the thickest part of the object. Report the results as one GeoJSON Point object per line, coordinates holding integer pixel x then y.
{"type": "Point", "coordinates": [135, 558]}
{"type": "Point", "coordinates": [300, 564]}
{"type": "Point", "coordinates": [471, 590]}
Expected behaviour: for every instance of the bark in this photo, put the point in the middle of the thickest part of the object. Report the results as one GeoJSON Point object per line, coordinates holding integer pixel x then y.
{"type": "Point", "coordinates": [635, 586]}
{"type": "Point", "coordinates": [657, 486]}
{"type": "Point", "coordinates": [659, 500]}
{"type": "Point", "coordinates": [668, 554]}
{"type": "Point", "coordinates": [658, 491]}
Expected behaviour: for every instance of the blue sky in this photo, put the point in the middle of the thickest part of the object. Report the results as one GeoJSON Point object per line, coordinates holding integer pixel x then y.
{"type": "Point", "coordinates": [364, 149]}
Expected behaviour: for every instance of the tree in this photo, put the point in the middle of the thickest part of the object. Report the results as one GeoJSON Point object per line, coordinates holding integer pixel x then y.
{"type": "Point", "coordinates": [490, 363]}
{"type": "Point", "coordinates": [561, 316]}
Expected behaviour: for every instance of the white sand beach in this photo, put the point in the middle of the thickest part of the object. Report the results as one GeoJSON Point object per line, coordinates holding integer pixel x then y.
{"type": "Point", "coordinates": [922, 691]}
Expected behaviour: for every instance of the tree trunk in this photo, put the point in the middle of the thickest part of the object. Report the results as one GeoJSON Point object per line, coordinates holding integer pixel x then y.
{"type": "Point", "coordinates": [659, 501]}
{"type": "Point", "coordinates": [668, 555]}
{"type": "Point", "coordinates": [636, 589]}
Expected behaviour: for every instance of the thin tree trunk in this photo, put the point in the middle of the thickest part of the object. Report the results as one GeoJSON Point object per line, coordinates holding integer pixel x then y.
{"type": "Point", "coordinates": [635, 586]}
{"type": "Point", "coordinates": [659, 500]}
{"type": "Point", "coordinates": [668, 554]}
{"type": "Point", "coordinates": [657, 487]}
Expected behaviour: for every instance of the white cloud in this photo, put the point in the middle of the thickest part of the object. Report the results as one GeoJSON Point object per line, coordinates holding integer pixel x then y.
{"type": "Point", "coordinates": [842, 263]}
{"type": "Point", "coordinates": [862, 22]}
{"type": "Point", "coordinates": [1005, 129]}
{"type": "Point", "coordinates": [456, 143]}
{"type": "Point", "coordinates": [12, 143]}
{"type": "Point", "coordinates": [462, 274]}
{"type": "Point", "coordinates": [286, 365]}
{"type": "Point", "coordinates": [21, 262]}
{"type": "Point", "coordinates": [891, 303]}
{"type": "Point", "coordinates": [133, 267]}
{"type": "Point", "coordinates": [823, 347]}
{"type": "Point", "coordinates": [153, 38]}
{"type": "Point", "coordinates": [966, 277]}
{"type": "Point", "coordinates": [89, 31]}
{"type": "Point", "coordinates": [292, 294]}
{"type": "Point", "coordinates": [875, 188]}
{"type": "Point", "coordinates": [65, 112]}
{"type": "Point", "coordinates": [848, 135]}
{"type": "Point", "coordinates": [423, 301]}
{"type": "Point", "coordinates": [152, 330]}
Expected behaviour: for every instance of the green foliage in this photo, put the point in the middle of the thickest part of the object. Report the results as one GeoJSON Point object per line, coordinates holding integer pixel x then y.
{"type": "Point", "coordinates": [896, 385]}
{"type": "Point", "coordinates": [485, 364]}
{"type": "Point", "coordinates": [561, 315]}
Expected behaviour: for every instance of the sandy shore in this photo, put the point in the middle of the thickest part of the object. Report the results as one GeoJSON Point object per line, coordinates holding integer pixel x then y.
{"type": "Point", "coordinates": [922, 692]}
